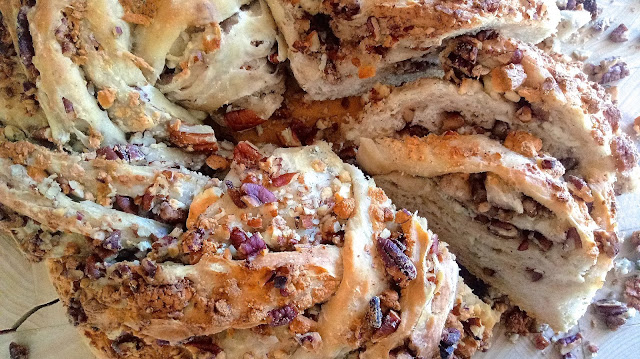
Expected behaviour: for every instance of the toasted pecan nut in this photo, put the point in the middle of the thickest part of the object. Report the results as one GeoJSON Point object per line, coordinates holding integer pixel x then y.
{"type": "Point", "coordinates": [240, 120]}
{"type": "Point", "coordinates": [197, 138]}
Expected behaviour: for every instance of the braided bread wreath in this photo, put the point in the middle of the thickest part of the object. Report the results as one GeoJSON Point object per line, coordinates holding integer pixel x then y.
{"type": "Point", "coordinates": [296, 251]}
{"type": "Point", "coordinates": [515, 166]}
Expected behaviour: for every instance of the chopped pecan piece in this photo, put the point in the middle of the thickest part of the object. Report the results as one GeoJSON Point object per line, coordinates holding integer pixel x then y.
{"type": "Point", "coordinates": [397, 264]}
{"type": "Point", "coordinates": [112, 241]}
{"type": "Point", "coordinates": [204, 344]}
{"type": "Point", "coordinates": [216, 162]}
{"type": "Point", "coordinates": [389, 325]}
{"type": "Point", "coordinates": [624, 153]}
{"type": "Point", "coordinates": [503, 229]}
{"type": "Point", "coordinates": [619, 34]}
{"type": "Point", "coordinates": [18, 351]}
{"type": "Point", "coordinates": [345, 208]}
{"type": "Point", "coordinates": [613, 312]}
{"type": "Point", "coordinates": [579, 188]}
{"type": "Point", "coordinates": [246, 154]}
{"type": "Point", "coordinates": [608, 242]}
{"type": "Point", "coordinates": [450, 337]}
{"type": "Point", "coordinates": [283, 180]}
{"type": "Point", "coordinates": [199, 138]}
{"type": "Point", "coordinates": [76, 312]}
{"type": "Point", "coordinates": [632, 292]}
{"type": "Point", "coordinates": [523, 143]}
{"type": "Point", "coordinates": [508, 77]}
{"type": "Point", "coordinates": [235, 194]}
{"type": "Point", "coordinates": [241, 120]}
{"type": "Point", "coordinates": [535, 275]}
{"type": "Point", "coordinates": [149, 267]}
{"type": "Point", "coordinates": [125, 343]}
{"type": "Point", "coordinates": [247, 247]}
{"type": "Point", "coordinates": [125, 204]}
{"type": "Point", "coordinates": [282, 316]}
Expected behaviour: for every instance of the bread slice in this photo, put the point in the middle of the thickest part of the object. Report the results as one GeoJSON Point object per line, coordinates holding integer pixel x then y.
{"type": "Point", "coordinates": [136, 66]}
{"type": "Point", "coordinates": [494, 85]}
{"type": "Point", "coordinates": [513, 222]}
{"type": "Point", "coordinates": [343, 48]}
{"type": "Point", "coordinates": [294, 248]}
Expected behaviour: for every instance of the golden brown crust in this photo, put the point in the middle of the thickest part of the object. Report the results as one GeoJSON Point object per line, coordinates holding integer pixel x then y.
{"type": "Point", "coordinates": [371, 41]}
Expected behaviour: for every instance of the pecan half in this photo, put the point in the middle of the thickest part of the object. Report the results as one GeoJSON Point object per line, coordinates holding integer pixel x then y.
{"type": "Point", "coordinates": [241, 120]}
{"type": "Point", "coordinates": [397, 264]}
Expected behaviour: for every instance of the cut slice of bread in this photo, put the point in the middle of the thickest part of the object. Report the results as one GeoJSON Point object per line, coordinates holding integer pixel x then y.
{"type": "Point", "coordinates": [511, 220]}
{"type": "Point", "coordinates": [343, 48]}
{"type": "Point", "coordinates": [494, 85]}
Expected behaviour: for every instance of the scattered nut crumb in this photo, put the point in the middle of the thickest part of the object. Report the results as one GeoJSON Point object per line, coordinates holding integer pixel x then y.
{"type": "Point", "coordinates": [619, 34]}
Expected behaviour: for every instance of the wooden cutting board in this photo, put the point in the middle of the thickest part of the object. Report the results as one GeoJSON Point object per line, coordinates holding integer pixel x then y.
{"type": "Point", "coordinates": [49, 335]}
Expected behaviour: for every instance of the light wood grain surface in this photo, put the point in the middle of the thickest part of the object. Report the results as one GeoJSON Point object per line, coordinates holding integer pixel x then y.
{"type": "Point", "coordinates": [49, 335]}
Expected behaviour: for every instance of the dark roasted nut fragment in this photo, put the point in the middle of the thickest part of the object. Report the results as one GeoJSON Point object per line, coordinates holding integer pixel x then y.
{"type": "Point", "coordinates": [374, 313]}
{"type": "Point", "coordinates": [282, 316]}
{"type": "Point", "coordinates": [199, 138]}
{"type": "Point", "coordinates": [389, 325]}
{"type": "Point", "coordinates": [246, 246]}
{"type": "Point", "coordinates": [309, 341]}
{"type": "Point", "coordinates": [108, 153]}
{"type": "Point", "coordinates": [25, 42]}
{"type": "Point", "coordinates": [608, 242]}
{"type": "Point", "coordinates": [126, 344]}
{"type": "Point", "coordinates": [530, 206]}
{"type": "Point", "coordinates": [503, 229]}
{"type": "Point", "coordinates": [615, 72]}
{"type": "Point", "coordinates": [540, 341]}
{"type": "Point", "coordinates": [241, 120]}
{"type": "Point", "coordinates": [613, 312]}
{"type": "Point", "coordinates": [112, 241]}
{"type": "Point", "coordinates": [579, 188]}
{"type": "Point", "coordinates": [619, 34]}
{"type": "Point", "coordinates": [94, 268]}
{"type": "Point", "coordinates": [192, 240]}
{"type": "Point", "coordinates": [149, 267]}
{"type": "Point", "coordinates": [76, 312]}
{"type": "Point", "coordinates": [500, 130]}
{"type": "Point", "coordinates": [247, 155]}
{"type": "Point", "coordinates": [125, 204]}
{"type": "Point", "coordinates": [518, 322]}
{"type": "Point", "coordinates": [448, 341]}
{"type": "Point", "coordinates": [204, 344]}
{"type": "Point", "coordinates": [18, 351]}
{"type": "Point", "coordinates": [632, 292]}
{"type": "Point", "coordinates": [624, 153]}
{"type": "Point", "coordinates": [235, 194]}
{"type": "Point", "coordinates": [397, 264]}
{"type": "Point", "coordinates": [171, 215]}
{"type": "Point", "coordinates": [534, 274]}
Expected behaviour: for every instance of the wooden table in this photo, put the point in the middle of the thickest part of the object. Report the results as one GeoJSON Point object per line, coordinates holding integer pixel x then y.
{"type": "Point", "coordinates": [49, 335]}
